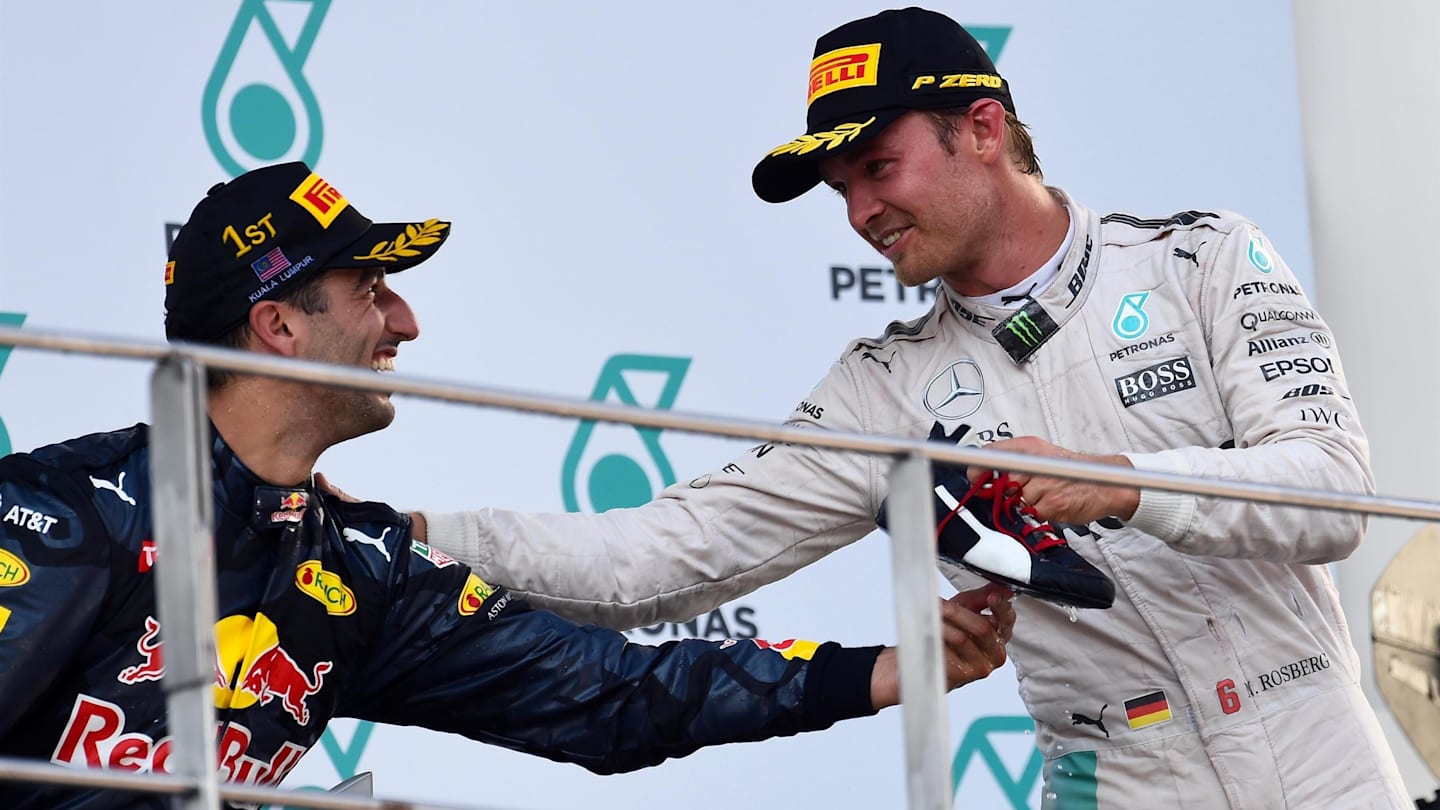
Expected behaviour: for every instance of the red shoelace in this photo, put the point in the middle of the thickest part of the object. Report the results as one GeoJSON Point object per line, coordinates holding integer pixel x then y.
{"type": "Point", "coordinates": [1005, 501]}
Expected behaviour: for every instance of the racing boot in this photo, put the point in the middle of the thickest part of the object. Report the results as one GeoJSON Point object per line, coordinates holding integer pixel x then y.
{"type": "Point", "coordinates": [987, 528]}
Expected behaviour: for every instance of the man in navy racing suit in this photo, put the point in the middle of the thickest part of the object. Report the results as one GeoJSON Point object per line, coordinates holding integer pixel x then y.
{"type": "Point", "coordinates": [328, 608]}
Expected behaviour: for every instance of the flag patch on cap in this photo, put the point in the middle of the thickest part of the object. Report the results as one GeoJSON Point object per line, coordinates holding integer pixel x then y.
{"type": "Point", "coordinates": [1147, 710]}
{"type": "Point", "coordinates": [270, 265]}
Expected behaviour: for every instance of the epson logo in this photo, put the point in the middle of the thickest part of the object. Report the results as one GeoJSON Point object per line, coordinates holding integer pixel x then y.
{"type": "Point", "coordinates": [1264, 345]}
{"type": "Point", "coordinates": [1300, 365]}
{"type": "Point", "coordinates": [1162, 379]}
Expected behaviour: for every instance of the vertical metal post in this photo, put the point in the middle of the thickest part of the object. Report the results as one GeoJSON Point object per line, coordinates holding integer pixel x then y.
{"type": "Point", "coordinates": [922, 691]}
{"type": "Point", "coordinates": [185, 570]}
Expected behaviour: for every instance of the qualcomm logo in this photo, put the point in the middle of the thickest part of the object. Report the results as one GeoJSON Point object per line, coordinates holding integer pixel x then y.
{"type": "Point", "coordinates": [15, 319]}
{"type": "Point", "coordinates": [251, 100]}
{"type": "Point", "coordinates": [616, 477]}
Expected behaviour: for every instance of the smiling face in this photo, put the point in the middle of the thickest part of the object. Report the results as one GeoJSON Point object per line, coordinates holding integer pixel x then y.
{"type": "Point", "coordinates": [362, 324]}
{"type": "Point", "coordinates": [926, 208]}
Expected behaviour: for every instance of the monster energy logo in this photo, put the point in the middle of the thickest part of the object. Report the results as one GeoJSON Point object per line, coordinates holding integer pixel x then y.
{"type": "Point", "coordinates": [1024, 332]}
{"type": "Point", "coordinates": [261, 116]}
{"type": "Point", "coordinates": [14, 319]}
{"type": "Point", "coordinates": [1024, 327]}
{"type": "Point", "coordinates": [617, 479]}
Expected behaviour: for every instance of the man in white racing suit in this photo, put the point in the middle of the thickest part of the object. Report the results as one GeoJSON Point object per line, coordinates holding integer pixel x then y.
{"type": "Point", "coordinates": [1223, 675]}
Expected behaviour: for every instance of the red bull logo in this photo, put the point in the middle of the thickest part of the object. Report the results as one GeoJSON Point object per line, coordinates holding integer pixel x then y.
{"type": "Point", "coordinates": [251, 667]}
{"type": "Point", "coordinates": [152, 658]}
{"type": "Point", "coordinates": [292, 508]}
{"type": "Point", "coordinates": [95, 738]}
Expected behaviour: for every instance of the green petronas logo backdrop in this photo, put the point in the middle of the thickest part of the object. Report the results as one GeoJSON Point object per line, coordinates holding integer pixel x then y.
{"type": "Point", "coordinates": [15, 319]}
{"type": "Point", "coordinates": [991, 38]}
{"type": "Point", "coordinates": [249, 108]}
{"type": "Point", "coordinates": [618, 479]}
{"type": "Point", "coordinates": [978, 743]}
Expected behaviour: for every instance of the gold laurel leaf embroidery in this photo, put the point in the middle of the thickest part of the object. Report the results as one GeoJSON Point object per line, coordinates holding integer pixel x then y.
{"type": "Point", "coordinates": [830, 139]}
{"type": "Point", "coordinates": [427, 233]}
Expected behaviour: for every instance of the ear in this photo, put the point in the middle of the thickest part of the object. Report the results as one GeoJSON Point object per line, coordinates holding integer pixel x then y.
{"type": "Point", "coordinates": [987, 121]}
{"type": "Point", "coordinates": [274, 328]}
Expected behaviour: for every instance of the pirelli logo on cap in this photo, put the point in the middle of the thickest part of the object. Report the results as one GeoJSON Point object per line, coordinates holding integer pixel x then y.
{"type": "Point", "coordinates": [169, 273]}
{"type": "Point", "coordinates": [322, 200]}
{"type": "Point", "coordinates": [842, 69]}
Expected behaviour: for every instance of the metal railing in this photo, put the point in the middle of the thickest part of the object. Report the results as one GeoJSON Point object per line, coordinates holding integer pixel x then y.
{"type": "Point", "coordinates": [180, 470]}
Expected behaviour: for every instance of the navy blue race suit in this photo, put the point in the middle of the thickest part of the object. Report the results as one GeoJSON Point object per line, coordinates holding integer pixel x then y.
{"type": "Point", "coordinates": [330, 609]}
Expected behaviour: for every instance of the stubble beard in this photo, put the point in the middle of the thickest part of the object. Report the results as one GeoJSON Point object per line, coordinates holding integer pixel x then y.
{"type": "Point", "coordinates": [352, 413]}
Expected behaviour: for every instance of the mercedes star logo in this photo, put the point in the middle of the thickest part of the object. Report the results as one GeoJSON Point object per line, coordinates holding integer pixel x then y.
{"type": "Point", "coordinates": [956, 392]}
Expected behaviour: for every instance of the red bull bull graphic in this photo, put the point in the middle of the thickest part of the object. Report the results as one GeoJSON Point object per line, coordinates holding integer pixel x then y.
{"type": "Point", "coordinates": [93, 739]}
{"type": "Point", "coordinates": [251, 667]}
{"type": "Point", "coordinates": [325, 587]}
{"type": "Point", "coordinates": [790, 648]}
{"type": "Point", "coordinates": [152, 659]}
{"type": "Point", "coordinates": [275, 674]}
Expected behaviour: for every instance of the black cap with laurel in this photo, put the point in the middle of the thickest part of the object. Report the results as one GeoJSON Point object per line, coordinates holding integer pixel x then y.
{"type": "Point", "coordinates": [252, 238]}
{"type": "Point", "coordinates": [866, 74]}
